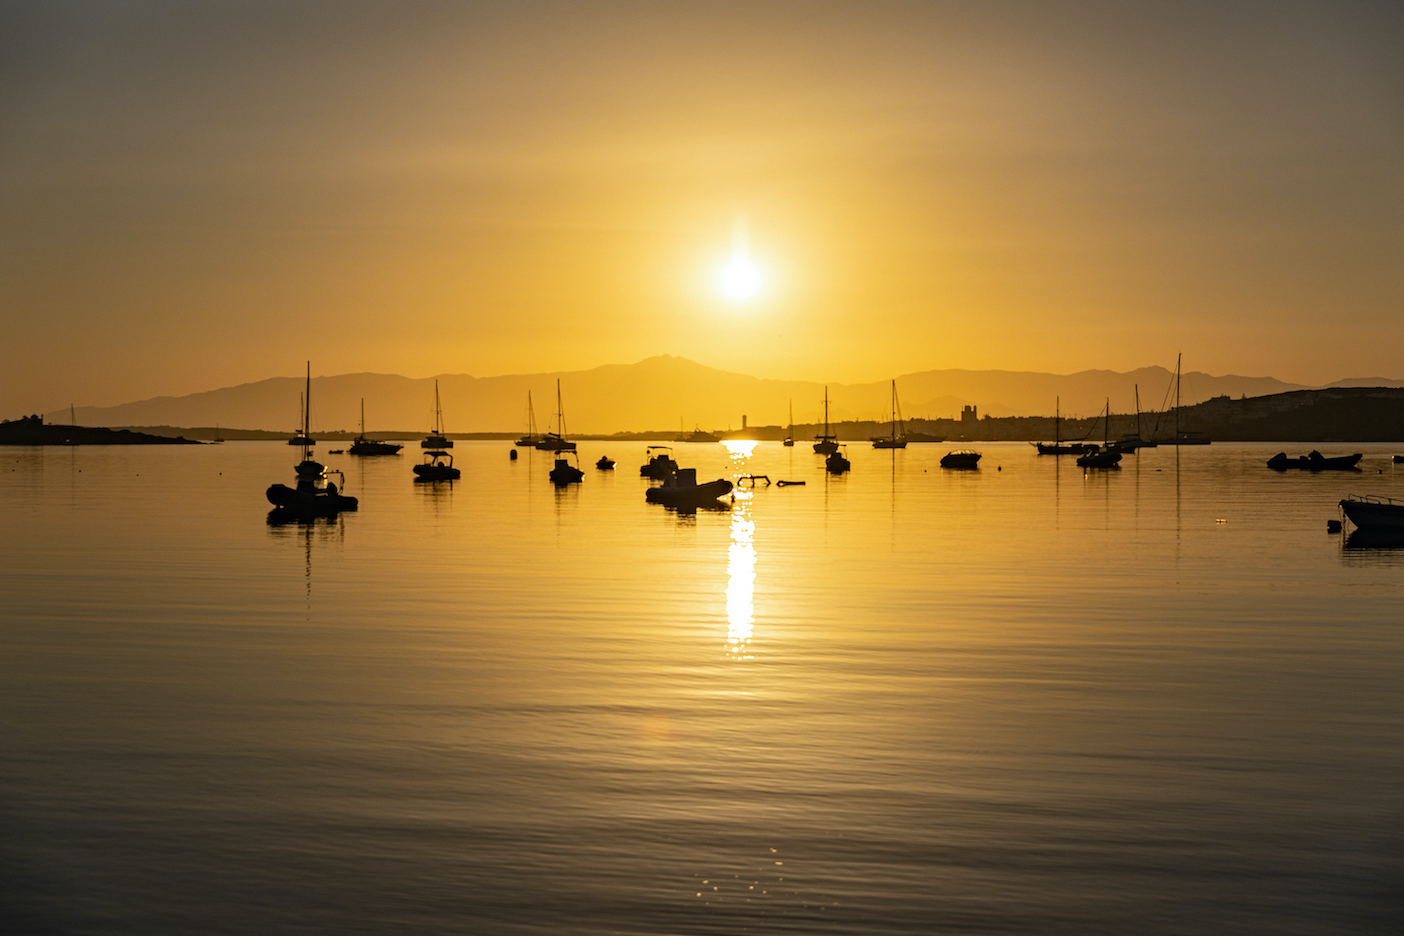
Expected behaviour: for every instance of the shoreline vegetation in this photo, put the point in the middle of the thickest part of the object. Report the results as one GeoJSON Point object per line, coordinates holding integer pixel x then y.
{"type": "Point", "coordinates": [1333, 415]}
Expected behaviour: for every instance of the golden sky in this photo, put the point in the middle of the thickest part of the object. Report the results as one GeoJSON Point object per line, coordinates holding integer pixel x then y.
{"type": "Point", "coordinates": [196, 195]}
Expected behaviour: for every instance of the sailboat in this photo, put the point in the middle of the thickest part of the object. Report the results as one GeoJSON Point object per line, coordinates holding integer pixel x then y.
{"type": "Point", "coordinates": [790, 432]}
{"type": "Point", "coordinates": [1179, 438]}
{"type": "Point", "coordinates": [556, 441]}
{"type": "Point", "coordinates": [1133, 441]}
{"type": "Point", "coordinates": [437, 440]}
{"type": "Point", "coordinates": [1057, 447]}
{"type": "Point", "coordinates": [307, 498]}
{"type": "Point", "coordinates": [364, 446]}
{"type": "Point", "coordinates": [532, 437]}
{"type": "Point", "coordinates": [826, 444]}
{"type": "Point", "coordinates": [1106, 457]}
{"type": "Point", "coordinates": [217, 439]}
{"type": "Point", "coordinates": [895, 440]}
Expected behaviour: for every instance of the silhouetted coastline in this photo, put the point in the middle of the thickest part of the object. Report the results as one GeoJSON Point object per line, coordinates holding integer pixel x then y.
{"type": "Point", "coordinates": [32, 430]}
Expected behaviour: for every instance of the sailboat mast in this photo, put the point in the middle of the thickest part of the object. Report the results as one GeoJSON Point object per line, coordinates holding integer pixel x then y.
{"type": "Point", "coordinates": [363, 415]}
{"type": "Point", "coordinates": [826, 411]}
{"type": "Point", "coordinates": [1057, 420]}
{"type": "Point", "coordinates": [1177, 397]}
{"type": "Point", "coordinates": [560, 414]}
{"type": "Point", "coordinates": [894, 410]}
{"type": "Point", "coordinates": [307, 409]}
{"type": "Point", "coordinates": [1138, 410]}
{"type": "Point", "coordinates": [1106, 425]}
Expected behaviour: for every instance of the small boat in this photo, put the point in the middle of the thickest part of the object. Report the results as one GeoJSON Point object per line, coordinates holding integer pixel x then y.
{"type": "Point", "coordinates": [309, 500]}
{"type": "Point", "coordinates": [605, 463]}
{"type": "Point", "coordinates": [436, 440]}
{"type": "Point", "coordinates": [836, 463]}
{"type": "Point", "coordinates": [1058, 446]}
{"type": "Point", "coordinates": [532, 437]}
{"type": "Point", "coordinates": [1106, 456]}
{"type": "Point", "coordinates": [660, 467]}
{"type": "Point", "coordinates": [894, 440]}
{"type": "Point", "coordinates": [336, 451]}
{"type": "Point", "coordinates": [682, 490]}
{"type": "Point", "coordinates": [961, 458]}
{"type": "Point", "coordinates": [556, 441]}
{"type": "Point", "coordinates": [790, 432]}
{"type": "Point", "coordinates": [1314, 461]}
{"type": "Point", "coordinates": [363, 446]}
{"type": "Point", "coordinates": [437, 466]}
{"type": "Point", "coordinates": [1374, 513]}
{"type": "Point", "coordinates": [826, 444]}
{"type": "Point", "coordinates": [565, 473]}
{"type": "Point", "coordinates": [1100, 458]}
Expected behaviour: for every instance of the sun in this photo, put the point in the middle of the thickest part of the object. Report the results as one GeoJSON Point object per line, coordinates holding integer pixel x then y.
{"type": "Point", "coordinates": [739, 280]}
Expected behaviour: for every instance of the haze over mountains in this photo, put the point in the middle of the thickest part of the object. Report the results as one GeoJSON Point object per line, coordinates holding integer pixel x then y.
{"type": "Point", "coordinates": [661, 393]}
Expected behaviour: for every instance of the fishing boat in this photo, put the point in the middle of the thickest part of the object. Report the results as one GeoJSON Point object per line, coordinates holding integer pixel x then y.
{"type": "Point", "coordinates": [790, 431]}
{"type": "Point", "coordinates": [1057, 447]}
{"type": "Point", "coordinates": [605, 463]}
{"type": "Point", "coordinates": [556, 441]}
{"type": "Point", "coordinates": [532, 437]}
{"type": "Point", "coordinates": [659, 467]}
{"type": "Point", "coordinates": [836, 463]}
{"type": "Point", "coordinates": [563, 472]}
{"type": "Point", "coordinates": [314, 494]}
{"type": "Point", "coordinates": [1106, 456]}
{"type": "Point", "coordinates": [437, 440]}
{"type": "Point", "coordinates": [961, 458]}
{"type": "Point", "coordinates": [826, 444]}
{"type": "Point", "coordinates": [895, 439]}
{"type": "Point", "coordinates": [437, 466]}
{"type": "Point", "coordinates": [1315, 461]}
{"type": "Point", "coordinates": [364, 446]}
{"type": "Point", "coordinates": [1374, 513]}
{"type": "Point", "coordinates": [682, 490]}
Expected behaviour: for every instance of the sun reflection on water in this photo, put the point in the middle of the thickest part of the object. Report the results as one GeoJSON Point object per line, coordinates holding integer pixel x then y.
{"type": "Point", "coordinates": [741, 559]}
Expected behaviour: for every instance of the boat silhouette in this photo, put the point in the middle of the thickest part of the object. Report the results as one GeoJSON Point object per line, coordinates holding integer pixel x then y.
{"type": "Point", "coordinates": [364, 446]}
{"type": "Point", "coordinates": [436, 439]}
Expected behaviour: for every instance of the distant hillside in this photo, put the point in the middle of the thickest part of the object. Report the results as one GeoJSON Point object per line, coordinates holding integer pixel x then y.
{"type": "Point", "coordinates": [658, 393]}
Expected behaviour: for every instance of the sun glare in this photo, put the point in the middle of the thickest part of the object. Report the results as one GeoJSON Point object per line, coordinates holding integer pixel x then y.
{"type": "Point", "coordinates": [740, 280]}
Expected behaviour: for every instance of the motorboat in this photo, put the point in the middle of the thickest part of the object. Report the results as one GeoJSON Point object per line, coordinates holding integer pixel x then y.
{"type": "Point", "coordinates": [437, 466]}
{"type": "Point", "coordinates": [1315, 461]}
{"type": "Point", "coordinates": [556, 441]}
{"type": "Point", "coordinates": [895, 439]}
{"type": "Point", "coordinates": [309, 499]}
{"type": "Point", "coordinates": [1374, 513]}
{"type": "Point", "coordinates": [826, 444]}
{"type": "Point", "coordinates": [682, 490]}
{"type": "Point", "coordinates": [660, 467]}
{"type": "Point", "coordinates": [363, 446]}
{"type": "Point", "coordinates": [565, 473]}
{"type": "Point", "coordinates": [836, 463]}
{"type": "Point", "coordinates": [605, 463]}
{"type": "Point", "coordinates": [697, 435]}
{"type": "Point", "coordinates": [436, 440]}
{"type": "Point", "coordinates": [1100, 458]}
{"type": "Point", "coordinates": [961, 458]}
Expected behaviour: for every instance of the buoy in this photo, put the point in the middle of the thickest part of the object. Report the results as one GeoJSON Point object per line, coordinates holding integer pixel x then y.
{"type": "Point", "coordinates": [1333, 526]}
{"type": "Point", "coordinates": [512, 454]}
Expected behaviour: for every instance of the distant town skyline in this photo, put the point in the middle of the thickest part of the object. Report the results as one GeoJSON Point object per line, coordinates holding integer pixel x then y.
{"type": "Point", "coordinates": [197, 196]}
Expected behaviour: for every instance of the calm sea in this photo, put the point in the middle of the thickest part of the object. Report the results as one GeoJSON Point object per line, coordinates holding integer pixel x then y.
{"type": "Point", "coordinates": [1022, 699]}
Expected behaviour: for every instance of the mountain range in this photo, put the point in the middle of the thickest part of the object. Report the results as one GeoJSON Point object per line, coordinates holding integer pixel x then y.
{"type": "Point", "coordinates": [665, 391]}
